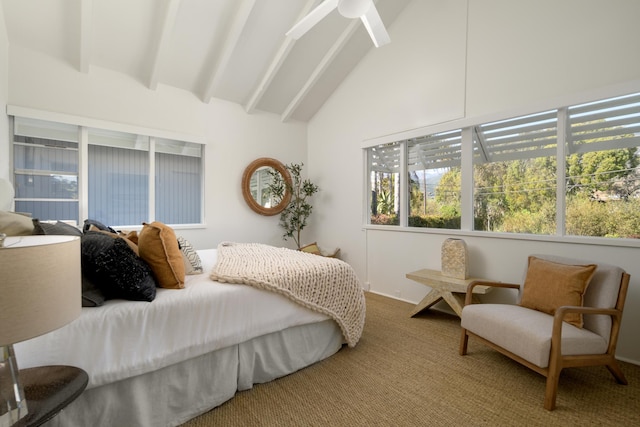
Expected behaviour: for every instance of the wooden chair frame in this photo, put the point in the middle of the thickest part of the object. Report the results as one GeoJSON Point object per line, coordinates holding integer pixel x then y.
{"type": "Point", "coordinates": [557, 362]}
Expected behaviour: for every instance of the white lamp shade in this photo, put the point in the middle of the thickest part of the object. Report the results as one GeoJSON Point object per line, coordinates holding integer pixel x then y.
{"type": "Point", "coordinates": [40, 285]}
{"type": "Point", "coordinates": [6, 195]}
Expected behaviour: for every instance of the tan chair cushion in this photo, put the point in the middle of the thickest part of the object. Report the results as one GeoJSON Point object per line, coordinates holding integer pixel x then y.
{"type": "Point", "coordinates": [158, 246]}
{"type": "Point", "coordinates": [549, 285]}
{"type": "Point", "coordinates": [527, 333]}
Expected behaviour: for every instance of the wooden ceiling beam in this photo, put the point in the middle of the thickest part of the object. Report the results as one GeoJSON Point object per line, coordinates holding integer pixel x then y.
{"type": "Point", "coordinates": [238, 25]}
{"type": "Point", "coordinates": [274, 66]}
{"type": "Point", "coordinates": [84, 48]}
{"type": "Point", "coordinates": [326, 61]}
{"type": "Point", "coordinates": [161, 47]}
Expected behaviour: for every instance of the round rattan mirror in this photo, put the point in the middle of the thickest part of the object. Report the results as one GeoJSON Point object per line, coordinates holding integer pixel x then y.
{"type": "Point", "coordinates": [255, 181]}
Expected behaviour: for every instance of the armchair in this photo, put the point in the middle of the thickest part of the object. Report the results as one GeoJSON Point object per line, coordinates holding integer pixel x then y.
{"type": "Point", "coordinates": [568, 315]}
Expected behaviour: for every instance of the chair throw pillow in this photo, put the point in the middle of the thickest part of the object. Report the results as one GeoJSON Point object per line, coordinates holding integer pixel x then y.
{"type": "Point", "coordinates": [158, 246]}
{"type": "Point", "coordinates": [549, 285]}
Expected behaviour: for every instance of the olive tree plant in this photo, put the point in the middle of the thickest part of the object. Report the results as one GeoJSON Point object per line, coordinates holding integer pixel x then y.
{"type": "Point", "coordinates": [294, 216]}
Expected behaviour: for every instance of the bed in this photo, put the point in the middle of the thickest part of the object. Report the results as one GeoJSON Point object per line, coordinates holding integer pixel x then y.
{"type": "Point", "coordinates": [165, 362]}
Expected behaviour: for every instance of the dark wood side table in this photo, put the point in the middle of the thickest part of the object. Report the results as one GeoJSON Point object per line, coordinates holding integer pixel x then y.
{"type": "Point", "coordinates": [48, 389]}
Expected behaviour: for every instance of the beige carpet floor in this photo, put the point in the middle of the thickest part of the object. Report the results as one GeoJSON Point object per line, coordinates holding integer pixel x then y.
{"type": "Point", "coordinates": [407, 372]}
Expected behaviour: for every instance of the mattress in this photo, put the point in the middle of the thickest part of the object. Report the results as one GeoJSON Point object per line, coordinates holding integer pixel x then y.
{"type": "Point", "coordinates": [125, 339]}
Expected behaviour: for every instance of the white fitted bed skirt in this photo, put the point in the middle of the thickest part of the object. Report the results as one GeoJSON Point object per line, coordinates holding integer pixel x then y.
{"type": "Point", "coordinates": [176, 393]}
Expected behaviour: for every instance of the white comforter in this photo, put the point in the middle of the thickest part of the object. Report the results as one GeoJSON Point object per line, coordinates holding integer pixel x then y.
{"type": "Point", "coordinates": [124, 338]}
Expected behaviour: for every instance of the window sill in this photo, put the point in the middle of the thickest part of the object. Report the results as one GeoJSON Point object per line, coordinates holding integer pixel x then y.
{"type": "Point", "coordinates": [582, 240]}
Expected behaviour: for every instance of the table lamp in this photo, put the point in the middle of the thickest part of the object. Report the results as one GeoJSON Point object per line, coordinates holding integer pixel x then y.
{"type": "Point", "coordinates": [6, 195]}
{"type": "Point", "coordinates": [40, 291]}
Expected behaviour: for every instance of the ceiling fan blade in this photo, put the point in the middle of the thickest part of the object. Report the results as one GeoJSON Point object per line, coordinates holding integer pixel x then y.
{"type": "Point", "coordinates": [306, 23]}
{"type": "Point", "coordinates": [373, 23]}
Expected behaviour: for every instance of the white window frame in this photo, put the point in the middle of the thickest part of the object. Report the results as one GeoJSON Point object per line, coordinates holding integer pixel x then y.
{"type": "Point", "coordinates": [467, 125]}
{"type": "Point", "coordinates": [84, 124]}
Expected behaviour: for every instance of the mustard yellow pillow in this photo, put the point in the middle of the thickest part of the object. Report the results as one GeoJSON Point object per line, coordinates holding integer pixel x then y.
{"type": "Point", "coordinates": [130, 243]}
{"type": "Point", "coordinates": [549, 285]}
{"type": "Point", "coordinates": [130, 235]}
{"type": "Point", "coordinates": [158, 246]}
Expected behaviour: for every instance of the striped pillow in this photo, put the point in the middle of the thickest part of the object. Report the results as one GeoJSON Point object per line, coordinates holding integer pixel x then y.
{"type": "Point", "coordinates": [192, 263]}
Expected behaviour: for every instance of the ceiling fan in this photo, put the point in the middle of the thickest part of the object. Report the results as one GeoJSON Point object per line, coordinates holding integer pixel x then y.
{"type": "Point", "coordinates": [363, 9]}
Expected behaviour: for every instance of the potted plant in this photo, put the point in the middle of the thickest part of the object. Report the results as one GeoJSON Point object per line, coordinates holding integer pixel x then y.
{"type": "Point", "coordinates": [294, 216]}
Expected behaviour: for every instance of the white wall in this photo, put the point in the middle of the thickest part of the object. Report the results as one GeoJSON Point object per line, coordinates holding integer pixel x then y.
{"type": "Point", "coordinates": [515, 57]}
{"type": "Point", "coordinates": [416, 80]}
{"type": "Point", "coordinates": [233, 138]}
{"type": "Point", "coordinates": [4, 87]}
{"type": "Point", "coordinates": [527, 52]}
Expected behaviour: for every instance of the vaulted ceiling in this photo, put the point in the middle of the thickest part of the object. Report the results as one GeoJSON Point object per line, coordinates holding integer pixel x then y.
{"type": "Point", "coordinates": [234, 50]}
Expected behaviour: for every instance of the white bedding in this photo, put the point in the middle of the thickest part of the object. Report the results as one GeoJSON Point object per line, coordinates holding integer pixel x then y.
{"type": "Point", "coordinates": [178, 325]}
{"type": "Point", "coordinates": [170, 396]}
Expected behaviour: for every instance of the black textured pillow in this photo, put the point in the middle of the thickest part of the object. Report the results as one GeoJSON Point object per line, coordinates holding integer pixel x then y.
{"type": "Point", "coordinates": [37, 228]}
{"type": "Point", "coordinates": [115, 269]}
{"type": "Point", "coordinates": [89, 222]}
{"type": "Point", "coordinates": [58, 228]}
{"type": "Point", "coordinates": [91, 295]}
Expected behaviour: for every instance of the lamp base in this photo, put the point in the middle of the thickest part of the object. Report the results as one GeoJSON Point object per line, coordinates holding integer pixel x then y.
{"type": "Point", "coordinates": [13, 405]}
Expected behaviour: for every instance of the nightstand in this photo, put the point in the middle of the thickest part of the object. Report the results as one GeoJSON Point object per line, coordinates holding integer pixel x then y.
{"type": "Point", "coordinates": [48, 389]}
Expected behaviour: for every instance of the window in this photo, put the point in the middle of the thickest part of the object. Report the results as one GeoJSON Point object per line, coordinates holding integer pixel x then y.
{"type": "Point", "coordinates": [384, 184]}
{"type": "Point", "coordinates": [433, 165]}
{"type": "Point", "coordinates": [514, 175]}
{"type": "Point", "coordinates": [602, 175]}
{"type": "Point", "coordinates": [121, 190]}
{"type": "Point", "coordinates": [45, 162]}
{"type": "Point", "coordinates": [118, 178]}
{"type": "Point", "coordinates": [571, 171]}
{"type": "Point", "coordinates": [259, 187]}
{"type": "Point", "coordinates": [178, 181]}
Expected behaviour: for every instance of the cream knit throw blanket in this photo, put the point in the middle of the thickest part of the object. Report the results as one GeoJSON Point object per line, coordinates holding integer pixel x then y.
{"type": "Point", "coordinates": [326, 285]}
